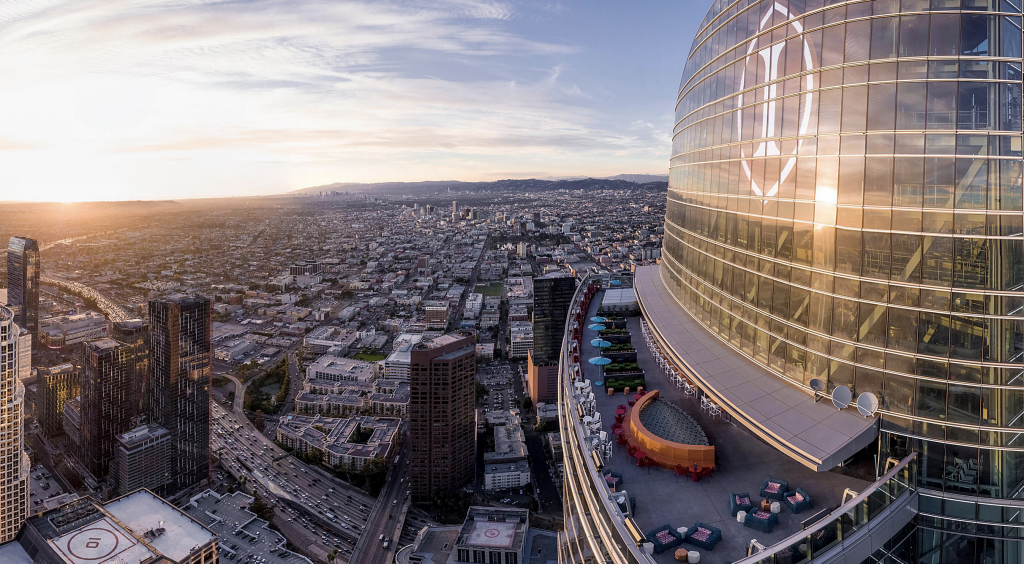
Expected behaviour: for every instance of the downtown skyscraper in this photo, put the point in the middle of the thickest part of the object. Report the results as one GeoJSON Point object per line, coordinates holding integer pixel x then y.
{"type": "Point", "coordinates": [442, 424]}
{"type": "Point", "coordinates": [23, 283]}
{"type": "Point", "coordinates": [106, 407]}
{"type": "Point", "coordinates": [552, 298]}
{"type": "Point", "coordinates": [14, 463]}
{"type": "Point", "coordinates": [178, 391]}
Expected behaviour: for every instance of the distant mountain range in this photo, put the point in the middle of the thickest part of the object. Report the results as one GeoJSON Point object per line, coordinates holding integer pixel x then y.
{"type": "Point", "coordinates": [431, 186]}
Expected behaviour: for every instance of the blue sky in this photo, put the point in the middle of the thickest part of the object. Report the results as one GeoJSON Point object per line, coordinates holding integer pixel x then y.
{"type": "Point", "coordinates": [193, 98]}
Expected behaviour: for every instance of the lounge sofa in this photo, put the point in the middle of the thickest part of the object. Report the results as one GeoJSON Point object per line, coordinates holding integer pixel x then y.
{"type": "Point", "coordinates": [664, 538]}
{"type": "Point", "coordinates": [773, 488]}
{"type": "Point", "coordinates": [703, 535]}
{"type": "Point", "coordinates": [798, 500]}
{"type": "Point", "coordinates": [761, 520]}
{"type": "Point", "coordinates": [740, 502]}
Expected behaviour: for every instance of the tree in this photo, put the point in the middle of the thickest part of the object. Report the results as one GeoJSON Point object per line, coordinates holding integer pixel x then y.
{"type": "Point", "coordinates": [527, 404]}
{"type": "Point", "coordinates": [261, 509]}
{"type": "Point", "coordinates": [257, 420]}
{"type": "Point", "coordinates": [332, 555]}
{"type": "Point", "coordinates": [481, 391]}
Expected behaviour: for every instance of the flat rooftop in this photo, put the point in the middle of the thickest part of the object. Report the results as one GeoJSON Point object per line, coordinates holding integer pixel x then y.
{"type": "Point", "coordinates": [143, 511]}
{"type": "Point", "coordinates": [221, 513]}
{"type": "Point", "coordinates": [781, 412]}
{"type": "Point", "coordinates": [744, 462]}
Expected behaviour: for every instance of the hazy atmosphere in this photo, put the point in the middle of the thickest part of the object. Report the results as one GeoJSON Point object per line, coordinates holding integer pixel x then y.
{"type": "Point", "coordinates": [172, 99]}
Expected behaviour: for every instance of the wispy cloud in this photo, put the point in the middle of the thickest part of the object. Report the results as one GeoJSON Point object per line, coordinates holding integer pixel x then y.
{"type": "Point", "coordinates": [175, 97]}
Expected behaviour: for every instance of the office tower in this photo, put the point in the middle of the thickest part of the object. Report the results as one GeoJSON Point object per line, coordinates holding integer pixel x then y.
{"type": "Point", "coordinates": [14, 463]}
{"type": "Point", "coordinates": [133, 335]}
{"type": "Point", "coordinates": [142, 459]}
{"type": "Point", "coordinates": [442, 419]}
{"type": "Point", "coordinates": [552, 296]}
{"type": "Point", "coordinates": [23, 283]}
{"type": "Point", "coordinates": [179, 386]}
{"type": "Point", "coordinates": [857, 238]}
{"type": "Point", "coordinates": [455, 209]}
{"type": "Point", "coordinates": [105, 403]}
{"type": "Point", "coordinates": [56, 384]}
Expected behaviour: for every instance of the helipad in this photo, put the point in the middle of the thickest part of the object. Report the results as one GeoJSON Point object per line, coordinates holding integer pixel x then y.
{"type": "Point", "coordinates": [492, 534]}
{"type": "Point", "coordinates": [99, 541]}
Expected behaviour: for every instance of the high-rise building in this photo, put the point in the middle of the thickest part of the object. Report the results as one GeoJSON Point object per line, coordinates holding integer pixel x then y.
{"type": "Point", "coordinates": [56, 384]}
{"type": "Point", "coordinates": [105, 406]}
{"type": "Point", "coordinates": [23, 283]}
{"type": "Point", "coordinates": [552, 297]}
{"type": "Point", "coordinates": [844, 220]}
{"type": "Point", "coordinates": [142, 459]}
{"type": "Point", "coordinates": [178, 391]}
{"type": "Point", "coordinates": [133, 335]}
{"type": "Point", "coordinates": [14, 463]}
{"type": "Point", "coordinates": [442, 418]}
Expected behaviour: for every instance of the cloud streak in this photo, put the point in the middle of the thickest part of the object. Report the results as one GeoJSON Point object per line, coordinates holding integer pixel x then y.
{"type": "Point", "coordinates": [213, 94]}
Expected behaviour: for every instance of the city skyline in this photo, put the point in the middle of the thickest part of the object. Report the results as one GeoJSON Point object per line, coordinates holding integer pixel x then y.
{"type": "Point", "coordinates": [167, 100]}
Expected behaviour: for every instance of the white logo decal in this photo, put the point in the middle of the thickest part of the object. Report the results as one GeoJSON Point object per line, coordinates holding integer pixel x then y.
{"type": "Point", "coordinates": [768, 59]}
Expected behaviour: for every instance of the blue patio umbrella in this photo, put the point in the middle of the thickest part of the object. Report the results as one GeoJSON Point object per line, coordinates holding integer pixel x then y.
{"type": "Point", "coordinates": [600, 343]}
{"type": "Point", "coordinates": [600, 360]}
{"type": "Point", "coordinates": [616, 282]}
{"type": "Point", "coordinates": [598, 319]}
{"type": "Point", "coordinates": [597, 327]}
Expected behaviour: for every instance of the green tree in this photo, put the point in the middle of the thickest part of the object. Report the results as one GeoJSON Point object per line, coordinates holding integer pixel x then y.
{"type": "Point", "coordinates": [261, 509]}
{"type": "Point", "coordinates": [481, 391]}
{"type": "Point", "coordinates": [527, 404]}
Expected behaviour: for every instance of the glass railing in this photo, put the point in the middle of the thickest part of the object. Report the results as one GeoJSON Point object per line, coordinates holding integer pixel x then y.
{"type": "Point", "coordinates": [595, 529]}
{"type": "Point", "coordinates": [845, 521]}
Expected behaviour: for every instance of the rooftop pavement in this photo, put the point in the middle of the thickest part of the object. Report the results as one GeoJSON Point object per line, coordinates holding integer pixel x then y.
{"type": "Point", "coordinates": [744, 462]}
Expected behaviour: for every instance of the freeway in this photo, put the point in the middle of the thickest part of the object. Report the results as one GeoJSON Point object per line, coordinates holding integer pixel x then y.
{"type": "Point", "coordinates": [331, 509]}
{"type": "Point", "coordinates": [113, 311]}
{"type": "Point", "coordinates": [385, 522]}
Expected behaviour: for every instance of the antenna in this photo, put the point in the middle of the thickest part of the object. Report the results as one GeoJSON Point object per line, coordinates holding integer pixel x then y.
{"type": "Point", "coordinates": [841, 397]}
{"type": "Point", "coordinates": [867, 404]}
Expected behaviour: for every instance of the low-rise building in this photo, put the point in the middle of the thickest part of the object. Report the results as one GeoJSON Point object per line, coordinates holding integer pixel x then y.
{"type": "Point", "coordinates": [352, 442]}
{"type": "Point", "coordinates": [506, 475]}
{"type": "Point", "coordinates": [520, 339]}
{"type": "Point", "coordinates": [396, 365]}
{"type": "Point", "coordinates": [327, 337]}
{"type": "Point", "coordinates": [338, 369]}
{"type": "Point", "coordinates": [243, 534]}
{"type": "Point", "coordinates": [68, 330]}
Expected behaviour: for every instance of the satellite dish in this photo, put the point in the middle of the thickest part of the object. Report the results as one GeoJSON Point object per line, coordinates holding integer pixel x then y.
{"type": "Point", "coordinates": [841, 397]}
{"type": "Point", "coordinates": [817, 385]}
{"type": "Point", "coordinates": [867, 404]}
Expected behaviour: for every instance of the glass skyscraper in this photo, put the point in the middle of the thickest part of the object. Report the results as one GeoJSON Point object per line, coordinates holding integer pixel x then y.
{"type": "Point", "coordinates": [23, 283]}
{"type": "Point", "coordinates": [845, 205]}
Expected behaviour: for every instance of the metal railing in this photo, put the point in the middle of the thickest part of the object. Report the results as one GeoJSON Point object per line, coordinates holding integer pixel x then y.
{"type": "Point", "coordinates": [845, 521]}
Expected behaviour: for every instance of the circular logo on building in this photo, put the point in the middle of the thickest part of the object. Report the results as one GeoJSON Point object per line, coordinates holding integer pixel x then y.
{"type": "Point", "coordinates": [93, 544]}
{"type": "Point", "coordinates": [492, 533]}
{"type": "Point", "coordinates": [766, 64]}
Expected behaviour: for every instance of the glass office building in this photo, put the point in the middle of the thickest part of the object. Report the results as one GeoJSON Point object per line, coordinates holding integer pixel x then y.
{"type": "Point", "coordinates": [845, 205]}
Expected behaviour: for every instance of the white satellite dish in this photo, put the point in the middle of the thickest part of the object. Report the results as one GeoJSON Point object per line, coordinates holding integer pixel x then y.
{"type": "Point", "coordinates": [841, 397]}
{"type": "Point", "coordinates": [867, 404]}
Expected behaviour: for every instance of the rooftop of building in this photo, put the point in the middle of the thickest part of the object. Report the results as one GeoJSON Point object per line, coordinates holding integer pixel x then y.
{"type": "Point", "coordinates": [349, 366]}
{"type": "Point", "coordinates": [743, 460]}
{"type": "Point", "coordinates": [13, 553]}
{"type": "Point", "coordinates": [102, 344]}
{"type": "Point", "coordinates": [141, 435]}
{"type": "Point", "coordinates": [221, 513]}
{"type": "Point", "coordinates": [493, 527]}
{"type": "Point", "coordinates": [131, 529]}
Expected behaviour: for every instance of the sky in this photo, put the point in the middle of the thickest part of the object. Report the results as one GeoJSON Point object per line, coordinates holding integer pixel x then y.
{"type": "Point", "coordinates": [153, 99]}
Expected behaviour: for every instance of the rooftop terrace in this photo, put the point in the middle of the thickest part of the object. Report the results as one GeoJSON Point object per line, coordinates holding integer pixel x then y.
{"type": "Point", "coordinates": [743, 460]}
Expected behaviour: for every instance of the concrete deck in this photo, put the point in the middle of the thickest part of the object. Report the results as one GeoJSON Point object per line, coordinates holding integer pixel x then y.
{"type": "Point", "coordinates": [744, 460]}
{"type": "Point", "coordinates": [779, 411]}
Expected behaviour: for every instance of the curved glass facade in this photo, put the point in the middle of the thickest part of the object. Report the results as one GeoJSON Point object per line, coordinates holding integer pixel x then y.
{"type": "Point", "coordinates": [845, 204]}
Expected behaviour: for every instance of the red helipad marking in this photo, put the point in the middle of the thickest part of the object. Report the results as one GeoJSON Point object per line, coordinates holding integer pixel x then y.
{"type": "Point", "coordinates": [492, 533]}
{"type": "Point", "coordinates": [95, 543]}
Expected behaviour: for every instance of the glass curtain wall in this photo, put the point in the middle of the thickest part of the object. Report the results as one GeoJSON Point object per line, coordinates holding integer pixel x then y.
{"type": "Point", "coordinates": [845, 204]}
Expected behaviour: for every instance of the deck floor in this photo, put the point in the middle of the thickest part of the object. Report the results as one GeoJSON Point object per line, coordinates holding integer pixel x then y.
{"type": "Point", "coordinates": [745, 461]}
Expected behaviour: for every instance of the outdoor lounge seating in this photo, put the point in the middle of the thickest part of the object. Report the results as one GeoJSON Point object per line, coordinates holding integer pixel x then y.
{"type": "Point", "coordinates": [703, 535]}
{"type": "Point", "coordinates": [773, 488]}
{"type": "Point", "coordinates": [739, 502]}
{"type": "Point", "coordinates": [761, 520]}
{"type": "Point", "coordinates": [664, 538]}
{"type": "Point", "coordinates": [798, 500]}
